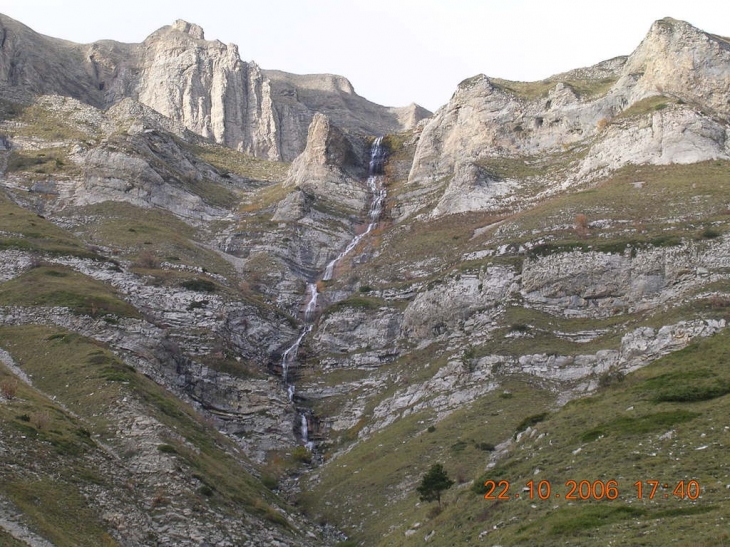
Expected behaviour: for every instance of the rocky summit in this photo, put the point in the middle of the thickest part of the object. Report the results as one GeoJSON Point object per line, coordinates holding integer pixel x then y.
{"type": "Point", "coordinates": [241, 307]}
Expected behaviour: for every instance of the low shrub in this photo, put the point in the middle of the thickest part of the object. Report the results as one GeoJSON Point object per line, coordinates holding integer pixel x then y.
{"type": "Point", "coordinates": [206, 491]}
{"type": "Point", "coordinates": [301, 454]}
{"type": "Point", "coordinates": [9, 388]}
{"type": "Point", "coordinates": [147, 260]}
{"type": "Point", "coordinates": [530, 421]}
{"type": "Point", "coordinates": [40, 419]}
{"type": "Point", "coordinates": [166, 449]}
{"type": "Point", "coordinates": [199, 285]}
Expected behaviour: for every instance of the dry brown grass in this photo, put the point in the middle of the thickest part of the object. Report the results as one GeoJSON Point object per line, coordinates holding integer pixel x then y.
{"type": "Point", "coordinates": [147, 260]}
{"type": "Point", "coordinates": [581, 224]}
{"type": "Point", "coordinates": [9, 388]}
{"type": "Point", "coordinates": [40, 419]}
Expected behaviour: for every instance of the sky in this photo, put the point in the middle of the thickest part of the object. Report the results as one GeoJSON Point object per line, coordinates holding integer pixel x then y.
{"type": "Point", "coordinates": [394, 52]}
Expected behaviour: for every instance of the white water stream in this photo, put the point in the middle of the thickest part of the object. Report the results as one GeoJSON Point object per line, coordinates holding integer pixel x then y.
{"type": "Point", "coordinates": [375, 184]}
{"type": "Point", "coordinates": [377, 189]}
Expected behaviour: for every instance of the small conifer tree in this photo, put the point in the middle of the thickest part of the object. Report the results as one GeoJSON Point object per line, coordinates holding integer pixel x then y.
{"type": "Point", "coordinates": [433, 483]}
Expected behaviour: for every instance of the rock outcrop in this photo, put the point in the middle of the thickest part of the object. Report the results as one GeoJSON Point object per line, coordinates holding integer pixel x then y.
{"type": "Point", "coordinates": [679, 60]}
{"type": "Point", "coordinates": [598, 108]}
{"type": "Point", "coordinates": [503, 268]}
{"type": "Point", "coordinates": [328, 167]}
{"type": "Point", "coordinates": [202, 84]}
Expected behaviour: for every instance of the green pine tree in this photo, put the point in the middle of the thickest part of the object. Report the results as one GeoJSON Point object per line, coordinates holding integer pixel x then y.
{"type": "Point", "coordinates": [433, 483]}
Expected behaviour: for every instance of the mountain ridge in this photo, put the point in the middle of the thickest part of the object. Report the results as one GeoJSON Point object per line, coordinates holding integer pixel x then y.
{"type": "Point", "coordinates": [225, 98]}
{"type": "Point", "coordinates": [536, 287]}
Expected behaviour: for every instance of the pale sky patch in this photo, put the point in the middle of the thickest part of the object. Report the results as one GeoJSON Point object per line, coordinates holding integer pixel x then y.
{"type": "Point", "coordinates": [393, 51]}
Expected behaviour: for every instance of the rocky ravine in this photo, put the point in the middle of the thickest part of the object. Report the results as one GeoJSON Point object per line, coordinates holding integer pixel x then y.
{"type": "Point", "coordinates": [514, 251]}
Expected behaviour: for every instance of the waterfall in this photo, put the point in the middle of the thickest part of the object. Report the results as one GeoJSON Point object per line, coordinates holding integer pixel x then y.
{"type": "Point", "coordinates": [305, 432]}
{"type": "Point", "coordinates": [375, 184]}
{"type": "Point", "coordinates": [312, 304]}
{"type": "Point", "coordinates": [291, 353]}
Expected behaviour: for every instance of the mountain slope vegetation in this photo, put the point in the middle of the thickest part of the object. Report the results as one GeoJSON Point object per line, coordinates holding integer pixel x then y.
{"type": "Point", "coordinates": [542, 298]}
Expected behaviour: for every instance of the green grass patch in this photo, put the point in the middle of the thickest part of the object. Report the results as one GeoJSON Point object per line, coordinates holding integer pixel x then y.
{"type": "Point", "coordinates": [166, 449]}
{"type": "Point", "coordinates": [530, 421]}
{"type": "Point", "coordinates": [540, 89]}
{"type": "Point", "coordinates": [48, 161]}
{"type": "Point", "coordinates": [580, 519]}
{"type": "Point", "coordinates": [688, 378]}
{"type": "Point", "coordinates": [513, 168]}
{"type": "Point", "coordinates": [645, 106]}
{"type": "Point", "coordinates": [401, 247]}
{"type": "Point", "coordinates": [659, 421]}
{"type": "Point", "coordinates": [61, 513]}
{"type": "Point", "coordinates": [29, 232]}
{"type": "Point", "coordinates": [356, 302]}
{"type": "Point", "coordinates": [40, 123]}
{"type": "Point", "coordinates": [227, 160]}
{"type": "Point", "coordinates": [199, 285]}
{"type": "Point", "coordinates": [385, 470]}
{"type": "Point", "coordinates": [54, 285]}
{"type": "Point", "coordinates": [133, 232]}
{"type": "Point", "coordinates": [6, 540]}
{"type": "Point", "coordinates": [695, 193]}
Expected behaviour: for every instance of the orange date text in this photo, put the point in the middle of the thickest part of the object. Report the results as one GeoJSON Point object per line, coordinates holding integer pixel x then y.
{"type": "Point", "coordinates": [591, 490]}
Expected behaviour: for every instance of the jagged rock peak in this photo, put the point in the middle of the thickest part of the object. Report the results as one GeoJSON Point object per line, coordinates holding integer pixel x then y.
{"type": "Point", "coordinates": [676, 58]}
{"type": "Point", "coordinates": [200, 83]}
{"type": "Point", "coordinates": [325, 169]}
{"type": "Point", "coordinates": [410, 115]}
{"type": "Point", "coordinates": [326, 144]}
{"type": "Point", "coordinates": [478, 80]}
{"type": "Point", "coordinates": [193, 30]}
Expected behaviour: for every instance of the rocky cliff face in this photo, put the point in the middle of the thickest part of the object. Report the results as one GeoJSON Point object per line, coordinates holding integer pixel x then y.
{"type": "Point", "coordinates": [677, 59]}
{"type": "Point", "coordinates": [221, 98]}
{"type": "Point", "coordinates": [203, 84]}
{"type": "Point", "coordinates": [539, 243]}
{"type": "Point", "coordinates": [589, 111]}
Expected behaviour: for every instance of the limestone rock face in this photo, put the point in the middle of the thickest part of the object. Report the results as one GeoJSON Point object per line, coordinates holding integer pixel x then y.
{"type": "Point", "coordinates": [672, 135]}
{"type": "Point", "coordinates": [583, 109]}
{"type": "Point", "coordinates": [678, 59]}
{"type": "Point", "coordinates": [471, 188]}
{"type": "Point", "coordinates": [350, 331]}
{"type": "Point", "coordinates": [449, 305]}
{"type": "Point", "coordinates": [597, 284]}
{"type": "Point", "coordinates": [327, 166]}
{"type": "Point", "coordinates": [202, 84]}
{"type": "Point", "coordinates": [297, 97]}
{"type": "Point", "coordinates": [207, 87]}
{"type": "Point", "coordinates": [37, 64]}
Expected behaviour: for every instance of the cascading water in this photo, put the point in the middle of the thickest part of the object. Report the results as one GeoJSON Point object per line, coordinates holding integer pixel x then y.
{"type": "Point", "coordinates": [291, 354]}
{"type": "Point", "coordinates": [375, 184]}
{"type": "Point", "coordinates": [305, 432]}
{"type": "Point", "coordinates": [312, 304]}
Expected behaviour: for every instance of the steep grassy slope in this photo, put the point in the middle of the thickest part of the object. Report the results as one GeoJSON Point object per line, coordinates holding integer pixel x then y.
{"type": "Point", "coordinates": [368, 487]}
{"type": "Point", "coordinates": [666, 422]}
{"type": "Point", "coordinates": [95, 452]}
{"type": "Point", "coordinates": [92, 429]}
{"type": "Point", "coordinates": [24, 230]}
{"type": "Point", "coordinates": [154, 305]}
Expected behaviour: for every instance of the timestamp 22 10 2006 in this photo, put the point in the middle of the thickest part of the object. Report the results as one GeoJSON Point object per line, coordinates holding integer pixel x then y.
{"type": "Point", "coordinates": [596, 490]}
